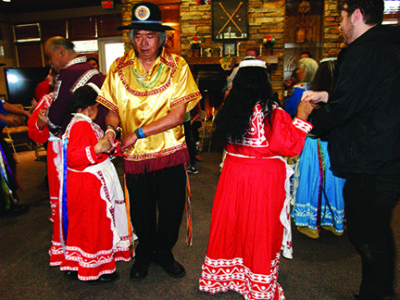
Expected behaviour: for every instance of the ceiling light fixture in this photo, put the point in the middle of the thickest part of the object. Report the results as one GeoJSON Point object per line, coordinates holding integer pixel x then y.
{"type": "Point", "coordinates": [6, 0]}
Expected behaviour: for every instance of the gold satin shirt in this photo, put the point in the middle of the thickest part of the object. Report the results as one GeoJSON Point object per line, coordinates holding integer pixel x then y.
{"type": "Point", "coordinates": [141, 98]}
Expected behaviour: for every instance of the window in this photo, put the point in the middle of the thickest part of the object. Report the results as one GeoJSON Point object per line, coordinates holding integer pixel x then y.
{"type": "Point", "coordinates": [392, 12]}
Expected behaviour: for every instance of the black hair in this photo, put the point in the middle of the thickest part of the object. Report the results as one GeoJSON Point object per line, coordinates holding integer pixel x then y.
{"type": "Point", "coordinates": [372, 10]}
{"type": "Point", "coordinates": [82, 98]}
{"type": "Point", "coordinates": [307, 53]}
{"type": "Point", "coordinates": [324, 77]}
{"type": "Point", "coordinates": [251, 85]}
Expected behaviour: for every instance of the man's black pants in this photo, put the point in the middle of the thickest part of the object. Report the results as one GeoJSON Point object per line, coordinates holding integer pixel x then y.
{"type": "Point", "coordinates": [369, 202]}
{"type": "Point", "coordinates": [157, 201]}
{"type": "Point", "coordinates": [190, 142]}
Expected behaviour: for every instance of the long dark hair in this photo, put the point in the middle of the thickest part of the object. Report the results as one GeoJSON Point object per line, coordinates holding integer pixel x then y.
{"type": "Point", "coordinates": [324, 77]}
{"type": "Point", "coordinates": [251, 85]}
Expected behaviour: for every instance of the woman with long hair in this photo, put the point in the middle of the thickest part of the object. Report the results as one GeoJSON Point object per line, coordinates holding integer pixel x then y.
{"type": "Point", "coordinates": [250, 218]}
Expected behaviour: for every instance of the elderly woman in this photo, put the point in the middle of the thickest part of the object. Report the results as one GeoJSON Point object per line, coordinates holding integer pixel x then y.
{"type": "Point", "coordinates": [318, 199]}
{"type": "Point", "coordinates": [148, 91]}
{"type": "Point", "coordinates": [305, 74]}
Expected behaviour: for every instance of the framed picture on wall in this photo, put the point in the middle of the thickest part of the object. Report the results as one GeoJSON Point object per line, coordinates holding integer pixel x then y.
{"type": "Point", "coordinates": [229, 20]}
{"type": "Point", "coordinates": [229, 49]}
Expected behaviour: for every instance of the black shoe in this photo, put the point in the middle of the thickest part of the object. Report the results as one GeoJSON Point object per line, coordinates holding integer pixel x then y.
{"type": "Point", "coordinates": [15, 210]}
{"type": "Point", "coordinates": [192, 170]}
{"type": "Point", "coordinates": [109, 277]}
{"type": "Point", "coordinates": [139, 271]}
{"type": "Point", "coordinates": [72, 274]}
{"type": "Point", "coordinates": [104, 279]}
{"type": "Point", "coordinates": [173, 269]}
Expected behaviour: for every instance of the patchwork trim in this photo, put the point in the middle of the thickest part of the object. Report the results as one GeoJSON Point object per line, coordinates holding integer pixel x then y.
{"type": "Point", "coordinates": [302, 125]}
{"type": "Point", "coordinates": [221, 275]}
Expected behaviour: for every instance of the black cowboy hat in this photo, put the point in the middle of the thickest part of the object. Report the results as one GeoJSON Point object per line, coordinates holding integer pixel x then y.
{"type": "Point", "coordinates": [146, 16]}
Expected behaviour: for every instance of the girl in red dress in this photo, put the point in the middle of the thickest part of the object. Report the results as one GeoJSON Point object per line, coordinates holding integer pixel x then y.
{"type": "Point", "coordinates": [250, 217]}
{"type": "Point", "coordinates": [93, 214]}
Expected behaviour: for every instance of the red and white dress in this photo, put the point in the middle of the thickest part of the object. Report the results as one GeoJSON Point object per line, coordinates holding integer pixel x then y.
{"type": "Point", "coordinates": [41, 136]}
{"type": "Point", "coordinates": [93, 216]}
{"type": "Point", "coordinates": [54, 168]}
{"type": "Point", "coordinates": [250, 218]}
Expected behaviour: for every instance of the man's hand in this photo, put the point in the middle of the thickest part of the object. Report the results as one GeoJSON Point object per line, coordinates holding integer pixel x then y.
{"type": "Point", "coordinates": [128, 142]}
{"type": "Point", "coordinates": [315, 97]}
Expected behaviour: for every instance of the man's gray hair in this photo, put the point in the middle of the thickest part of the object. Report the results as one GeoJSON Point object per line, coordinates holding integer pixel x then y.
{"type": "Point", "coordinates": [57, 42]}
{"type": "Point", "coordinates": [162, 35]}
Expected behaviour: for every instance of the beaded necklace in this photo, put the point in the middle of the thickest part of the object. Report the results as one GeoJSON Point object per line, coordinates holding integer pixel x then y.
{"type": "Point", "coordinates": [140, 78]}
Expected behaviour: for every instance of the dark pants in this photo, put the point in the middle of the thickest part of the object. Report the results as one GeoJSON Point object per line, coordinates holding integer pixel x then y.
{"type": "Point", "coordinates": [157, 200]}
{"type": "Point", "coordinates": [195, 130]}
{"type": "Point", "coordinates": [369, 204]}
{"type": "Point", "coordinates": [190, 142]}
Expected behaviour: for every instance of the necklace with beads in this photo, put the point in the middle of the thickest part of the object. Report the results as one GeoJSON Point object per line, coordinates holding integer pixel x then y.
{"type": "Point", "coordinates": [140, 78]}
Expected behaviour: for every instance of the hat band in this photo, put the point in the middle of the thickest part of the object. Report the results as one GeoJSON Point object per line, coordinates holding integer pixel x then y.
{"type": "Point", "coordinates": [146, 22]}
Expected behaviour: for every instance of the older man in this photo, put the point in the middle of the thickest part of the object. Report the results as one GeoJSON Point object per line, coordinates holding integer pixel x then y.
{"type": "Point", "coordinates": [148, 92]}
{"type": "Point", "coordinates": [73, 72]}
{"type": "Point", "coordinates": [362, 120]}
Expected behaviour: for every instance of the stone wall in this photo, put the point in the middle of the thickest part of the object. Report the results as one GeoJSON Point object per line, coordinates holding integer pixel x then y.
{"type": "Point", "coordinates": [332, 40]}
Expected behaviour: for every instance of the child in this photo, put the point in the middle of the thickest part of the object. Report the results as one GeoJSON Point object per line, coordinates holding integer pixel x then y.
{"type": "Point", "coordinates": [92, 209]}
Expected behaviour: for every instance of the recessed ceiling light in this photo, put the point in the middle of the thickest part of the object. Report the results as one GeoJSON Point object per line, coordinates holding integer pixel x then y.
{"type": "Point", "coordinates": [6, 0]}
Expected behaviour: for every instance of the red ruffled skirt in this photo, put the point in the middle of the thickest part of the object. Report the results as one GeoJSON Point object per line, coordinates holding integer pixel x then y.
{"type": "Point", "coordinates": [246, 232]}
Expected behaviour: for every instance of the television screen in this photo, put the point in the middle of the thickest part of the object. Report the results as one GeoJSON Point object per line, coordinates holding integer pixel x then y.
{"type": "Point", "coordinates": [21, 83]}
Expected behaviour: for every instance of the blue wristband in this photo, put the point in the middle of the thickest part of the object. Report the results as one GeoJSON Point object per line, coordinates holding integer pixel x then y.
{"type": "Point", "coordinates": [139, 133]}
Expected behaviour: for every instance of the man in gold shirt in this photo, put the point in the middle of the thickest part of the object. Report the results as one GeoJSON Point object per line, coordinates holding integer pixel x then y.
{"type": "Point", "coordinates": [148, 92]}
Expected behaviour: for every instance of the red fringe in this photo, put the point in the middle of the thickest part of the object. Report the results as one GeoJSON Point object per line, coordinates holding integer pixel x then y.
{"type": "Point", "coordinates": [139, 167]}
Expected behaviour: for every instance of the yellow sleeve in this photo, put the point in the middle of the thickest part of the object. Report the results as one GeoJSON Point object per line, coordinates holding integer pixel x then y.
{"type": "Point", "coordinates": [186, 90]}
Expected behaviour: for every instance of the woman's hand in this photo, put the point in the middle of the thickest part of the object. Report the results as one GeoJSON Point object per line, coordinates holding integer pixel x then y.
{"type": "Point", "coordinates": [103, 145]}
{"type": "Point", "coordinates": [42, 119]}
{"type": "Point", "coordinates": [110, 137]}
{"type": "Point", "coordinates": [304, 109]}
